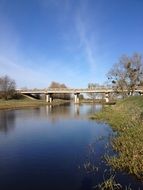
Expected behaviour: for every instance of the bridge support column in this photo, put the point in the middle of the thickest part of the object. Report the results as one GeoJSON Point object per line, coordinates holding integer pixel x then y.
{"type": "Point", "coordinates": [106, 97]}
{"type": "Point", "coordinates": [49, 98]}
{"type": "Point", "coordinates": [76, 98]}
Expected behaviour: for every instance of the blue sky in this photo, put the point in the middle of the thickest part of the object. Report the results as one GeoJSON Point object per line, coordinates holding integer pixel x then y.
{"type": "Point", "coordinates": [68, 41]}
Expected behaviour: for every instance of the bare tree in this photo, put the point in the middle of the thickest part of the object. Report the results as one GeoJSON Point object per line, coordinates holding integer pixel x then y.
{"type": "Point", "coordinates": [7, 87]}
{"type": "Point", "coordinates": [93, 95]}
{"type": "Point", "coordinates": [59, 96]}
{"type": "Point", "coordinates": [127, 74]}
{"type": "Point", "coordinates": [57, 85]}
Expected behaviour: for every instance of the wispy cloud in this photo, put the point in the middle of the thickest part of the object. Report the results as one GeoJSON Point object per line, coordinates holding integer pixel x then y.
{"type": "Point", "coordinates": [89, 30]}
{"type": "Point", "coordinates": [86, 45]}
{"type": "Point", "coordinates": [38, 70]}
{"type": "Point", "coordinates": [78, 38]}
{"type": "Point", "coordinates": [85, 42]}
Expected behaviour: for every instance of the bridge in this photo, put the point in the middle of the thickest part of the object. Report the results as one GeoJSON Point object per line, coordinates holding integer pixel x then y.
{"type": "Point", "coordinates": [48, 92]}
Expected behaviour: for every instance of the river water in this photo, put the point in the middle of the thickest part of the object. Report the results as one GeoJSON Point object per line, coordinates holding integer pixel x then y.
{"type": "Point", "coordinates": [55, 148]}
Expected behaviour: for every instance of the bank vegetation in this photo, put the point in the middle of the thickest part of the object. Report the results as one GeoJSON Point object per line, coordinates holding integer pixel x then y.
{"type": "Point", "coordinates": [25, 103]}
{"type": "Point", "coordinates": [126, 118]}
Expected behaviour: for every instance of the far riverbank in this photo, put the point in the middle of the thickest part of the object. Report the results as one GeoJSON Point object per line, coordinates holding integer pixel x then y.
{"type": "Point", "coordinates": [25, 103]}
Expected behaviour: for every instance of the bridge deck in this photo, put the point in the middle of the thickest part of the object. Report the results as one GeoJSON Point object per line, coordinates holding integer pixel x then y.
{"type": "Point", "coordinates": [70, 91]}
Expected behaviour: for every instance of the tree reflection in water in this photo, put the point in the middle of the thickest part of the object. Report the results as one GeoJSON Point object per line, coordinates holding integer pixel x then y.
{"type": "Point", "coordinates": [7, 120]}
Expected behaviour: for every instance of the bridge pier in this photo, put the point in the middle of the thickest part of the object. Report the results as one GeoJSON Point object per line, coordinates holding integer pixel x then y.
{"type": "Point", "coordinates": [76, 98]}
{"type": "Point", "coordinates": [107, 97]}
{"type": "Point", "coordinates": [49, 98]}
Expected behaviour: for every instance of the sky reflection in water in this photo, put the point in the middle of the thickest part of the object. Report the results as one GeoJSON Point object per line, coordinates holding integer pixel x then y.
{"type": "Point", "coordinates": [47, 147]}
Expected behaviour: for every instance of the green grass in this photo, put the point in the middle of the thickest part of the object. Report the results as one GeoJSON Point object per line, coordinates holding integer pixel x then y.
{"type": "Point", "coordinates": [126, 117]}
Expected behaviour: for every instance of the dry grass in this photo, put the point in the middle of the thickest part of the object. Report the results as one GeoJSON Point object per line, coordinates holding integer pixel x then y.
{"type": "Point", "coordinates": [24, 103]}
{"type": "Point", "coordinates": [127, 119]}
{"type": "Point", "coordinates": [109, 184]}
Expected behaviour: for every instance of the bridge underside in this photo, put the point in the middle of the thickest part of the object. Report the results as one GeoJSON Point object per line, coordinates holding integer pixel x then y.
{"type": "Point", "coordinates": [32, 96]}
{"type": "Point", "coordinates": [49, 96]}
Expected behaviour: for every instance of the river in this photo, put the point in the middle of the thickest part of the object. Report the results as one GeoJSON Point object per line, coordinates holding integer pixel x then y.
{"type": "Point", "coordinates": [55, 148]}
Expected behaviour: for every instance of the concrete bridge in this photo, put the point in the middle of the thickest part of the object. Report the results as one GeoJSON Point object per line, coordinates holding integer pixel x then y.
{"type": "Point", "coordinates": [49, 91]}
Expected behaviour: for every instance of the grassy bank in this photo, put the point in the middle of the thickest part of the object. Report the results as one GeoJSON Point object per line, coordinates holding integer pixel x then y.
{"type": "Point", "coordinates": [25, 102]}
{"type": "Point", "coordinates": [126, 117]}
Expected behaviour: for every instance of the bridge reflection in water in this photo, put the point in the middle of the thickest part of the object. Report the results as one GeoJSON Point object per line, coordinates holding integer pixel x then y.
{"type": "Point", "coordinates": [70, 111]}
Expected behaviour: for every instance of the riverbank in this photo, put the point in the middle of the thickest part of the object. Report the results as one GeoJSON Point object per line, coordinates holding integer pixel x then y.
{"type": "Point", "coordinates": [25, 102]}
{"type": "Point", "coordinates": [126, 118]}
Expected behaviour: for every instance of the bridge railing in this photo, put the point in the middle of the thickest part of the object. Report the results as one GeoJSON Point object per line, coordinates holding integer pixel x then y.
{"type": "Point", "coordinates": [64, 90]}
{"type": "Point", "coordinates": [56, 90]}
{"type": "Point", "coordinates": [79, 88]}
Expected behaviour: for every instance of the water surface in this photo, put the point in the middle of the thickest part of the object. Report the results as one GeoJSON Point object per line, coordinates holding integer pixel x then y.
{"type": "Point", "coordinates": [49, 147]}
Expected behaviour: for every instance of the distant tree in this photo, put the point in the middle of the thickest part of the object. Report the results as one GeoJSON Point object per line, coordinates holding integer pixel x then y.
{"type": "Point", "coordinates": [7, 87]}
{"type": "Point", "coordinates": [57, 85]}
{"type": "Point", "coordinates": [92, 85]}
{"type": "Point", "coordinates": [93, 95]}
{"type": "Point", "coordinates": [59, 96]}
{"type": "Point", "coordinates": [127, 74]}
